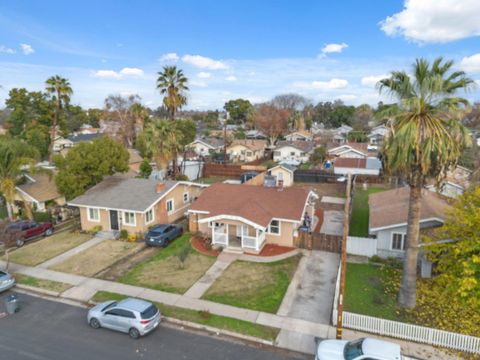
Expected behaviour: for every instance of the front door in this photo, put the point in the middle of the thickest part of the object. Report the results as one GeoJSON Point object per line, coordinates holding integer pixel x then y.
{"type": "Point", "coordinates": [113, 219]}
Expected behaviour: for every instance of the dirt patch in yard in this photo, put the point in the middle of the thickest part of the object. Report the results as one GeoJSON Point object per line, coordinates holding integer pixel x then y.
{"type": "Point", "coordinates": [91, 261]}
{"type": "Point", "coordinates": [124, 265]}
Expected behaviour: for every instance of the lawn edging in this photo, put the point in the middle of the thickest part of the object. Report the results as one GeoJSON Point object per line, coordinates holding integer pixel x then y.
{"type": "Point", "coordinates": [38, 290]}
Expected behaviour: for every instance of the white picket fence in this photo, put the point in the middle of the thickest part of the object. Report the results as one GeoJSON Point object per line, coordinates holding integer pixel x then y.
{"type": "Point", "coordinates": [361, 246]}
{"type": "Point", "coordinates": [411, 332]}
{"type": "Point", "coordinates": [403, 331]}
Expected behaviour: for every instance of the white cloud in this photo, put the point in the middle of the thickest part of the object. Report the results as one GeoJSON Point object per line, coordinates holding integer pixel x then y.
{"type": "Point", "coordinates": [347, 97]}
{"type": "Point", "coordinates": [204, 75]}
{"type": "Point", "coordinates": [372, 80]}
{"type": "Point", "coordinates": [27, 49]}
{"type": "Point", "coordinates": [6, 50]}
{"type": "Point", "coordinates": [200, 84]}
{"type": "Point", "coordinates": [434, 21]}
{"type": "Point", "coordinates": [169, 57]}
{"type": "Point", "coordinates": [107, 74]}
{"type": "Point", "coordinates": [471, 63]}
{"type": "Point", "coordinates": [231, 78]}
{"type": "Point", "coordinates": [322, 85]}
{"type": "Point", "coordinates": [334, 48]}
{"type": "Point", "coordinates": [203, 62]}
{"type": "Point", "coordinates": [131, 71]}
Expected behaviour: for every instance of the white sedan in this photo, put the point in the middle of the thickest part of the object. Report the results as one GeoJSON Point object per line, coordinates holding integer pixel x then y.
{"type": "Point", "coordinates": [365, 348]}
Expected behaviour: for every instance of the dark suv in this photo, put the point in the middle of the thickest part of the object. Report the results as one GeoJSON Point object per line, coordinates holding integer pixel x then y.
{"type": "Point", "coordinates": [27, 230]}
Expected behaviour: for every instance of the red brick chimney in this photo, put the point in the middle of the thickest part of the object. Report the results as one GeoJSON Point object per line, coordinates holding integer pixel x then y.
{"type": "Point", "coordinates": [159, 187]}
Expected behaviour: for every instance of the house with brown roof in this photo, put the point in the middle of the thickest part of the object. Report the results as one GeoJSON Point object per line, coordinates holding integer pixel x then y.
{"type": "Point", "coordinates": [246, 150]}
{"type": "Point", "coordinates": [389, 214]}
{"type": "Point", "coordinates": [120, 202]}
{"type": "Point", "coordinates": [293, 152]}
{"type": "Point", "coordinates": [246, 217]}
{"type": "Point", "coordinates": [39, 191]}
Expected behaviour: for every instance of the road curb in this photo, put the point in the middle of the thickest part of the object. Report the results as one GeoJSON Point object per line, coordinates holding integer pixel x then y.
{"type": "Point", "coordinates": [38, 290]}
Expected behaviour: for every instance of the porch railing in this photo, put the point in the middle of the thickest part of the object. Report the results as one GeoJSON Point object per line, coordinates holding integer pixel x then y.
{"type": "Point", "coordinates": [220, 237]}
{"type": "Point", "coordinates": [249, 242]}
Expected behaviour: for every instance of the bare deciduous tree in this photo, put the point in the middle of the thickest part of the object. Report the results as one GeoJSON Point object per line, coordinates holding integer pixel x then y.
{"type": "Point", "coordinates": [124, 110]}
{"type": "Point", "coordinates": [272, 121]}
{"type": "Point", "coordinates": [290, 101]}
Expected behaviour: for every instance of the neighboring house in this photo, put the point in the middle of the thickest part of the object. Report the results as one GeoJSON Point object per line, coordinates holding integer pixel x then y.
{"type": "Point", "coordinates": [389, 214]}
{"type": "Point", "coordinates": [39, 191]}
{"type": "Point", "coordinates": [299, 136]}
{"type": "Point", "coordinates": [255, 134]}
{"type": "Point", "coordinates": [87, 129]}
{"type": "Point", "coordinates": [134, 162]}
{"type": "Point", "coordinates": [246, 150]}
{"type": "Point", "coordinates": [357, 166]}
{"type": "Point", "coordinates": [206, 146]}
{"type": "Point", "coordinates": [61, 143]}
{"type": "Point", "coordinates": [317, 128]}
{"type": "Point", "coordinates": [351, 150]}
{"type": "Point", "coordinates": [77, 138]}
{"type": "Point", "coordinates": [133, 204]}
{"type": "Point", "coordinates": [455, 183]}
{"type": "Point", "coordinates": [340, 134]}
{"type": "Point", "coordinates": [378, 134]}
{"type": "Point", "coordinates": [283, 174]}
{"type": "Point", "coordinates": [293, 152]}
{"type": "Point", "coordinates": [247, 217]}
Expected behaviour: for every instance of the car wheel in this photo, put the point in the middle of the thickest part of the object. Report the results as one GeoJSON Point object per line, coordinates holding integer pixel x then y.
{"type": "Point", "coordinates": [48, 232]}
{"type": "Point", "coordinates": [134, 333]}
{"type": "Point", "coordinates": [94, 323]}
{"type": "Point", "coordinates": [20, 242]}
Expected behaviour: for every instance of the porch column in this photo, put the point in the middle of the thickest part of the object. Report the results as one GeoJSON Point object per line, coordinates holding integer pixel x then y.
{"type": "Point", "coordinates": [213, 234]}
{"type": "Point", "coordinates": [226, 234]}
{"type": "Point", "coordinates": [256, 239]}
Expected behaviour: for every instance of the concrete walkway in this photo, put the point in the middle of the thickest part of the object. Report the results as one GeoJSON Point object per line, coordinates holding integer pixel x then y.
{"type": "Point", "coordinates": [86, 245]}
{"type": "Point", "coordinates": [213, 273]}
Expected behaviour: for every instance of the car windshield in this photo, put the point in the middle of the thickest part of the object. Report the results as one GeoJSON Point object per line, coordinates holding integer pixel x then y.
{"type": "Point", "coordinates": [160, 230]}
{"type": "Point", "coordinates": [149, 312]}
{"type": "Point", "coordinates": [353, 349]}
{"type": "Point", "coordinates": [109, 306]}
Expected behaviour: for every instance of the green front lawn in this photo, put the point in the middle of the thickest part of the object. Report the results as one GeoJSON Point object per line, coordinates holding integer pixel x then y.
{"type": "Point", "coordinates": [367, 292]}
{"type": "Point", "coordinates": [41, 283]}
{"type": "Point", "coordinates": [204, 318]}
{"type": "Point", "coordinates": [165, 272]}
{"type": "Point", "coordinates": [360, 211]}
{"type": "Point", "coordinates": [256, 286]}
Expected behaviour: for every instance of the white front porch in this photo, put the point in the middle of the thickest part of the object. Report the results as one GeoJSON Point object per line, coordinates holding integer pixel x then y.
{"type": "Point", "coordinates": [238, 236]}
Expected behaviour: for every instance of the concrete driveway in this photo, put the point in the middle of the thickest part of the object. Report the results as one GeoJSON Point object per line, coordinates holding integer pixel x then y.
{"type": "Point", "coordinates": [310, 294]}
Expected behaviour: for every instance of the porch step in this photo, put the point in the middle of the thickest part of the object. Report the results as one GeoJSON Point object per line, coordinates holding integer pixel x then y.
{"type": "Point", "coordinates": [113, 234]}
{"type": "Point", "coordinates": [233, 250]}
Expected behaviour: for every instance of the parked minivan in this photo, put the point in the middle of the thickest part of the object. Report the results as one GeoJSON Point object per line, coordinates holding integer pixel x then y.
{"type": "Point", "coordinates": [133, 316]}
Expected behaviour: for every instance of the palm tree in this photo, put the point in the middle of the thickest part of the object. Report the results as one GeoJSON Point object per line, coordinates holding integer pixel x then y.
{"type": "Point", "coordinates": [60, 91]}
{"type": "Point", "coordinates": [172, 84]}
{"type": "Point", "coordinates": [427, 140]}
{"type": "Point", "coordinates": [162, 141]}
{"type": "Point", "coordinates": [14, 156]}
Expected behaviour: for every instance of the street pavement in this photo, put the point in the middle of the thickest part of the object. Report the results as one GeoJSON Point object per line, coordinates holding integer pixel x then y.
{"type": "Point", "coordinates": [50, 330]}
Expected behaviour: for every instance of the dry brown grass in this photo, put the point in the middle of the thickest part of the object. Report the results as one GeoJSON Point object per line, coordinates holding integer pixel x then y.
{"type": "Point", "coordinates": [45, 249]}
{"type": "Point", "coordinates": [91, 261]}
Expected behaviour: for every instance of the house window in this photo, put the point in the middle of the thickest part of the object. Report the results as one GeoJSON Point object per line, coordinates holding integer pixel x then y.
{"type": "Point", "coordinates": [249, 153]}
{"type": "Point", "coordinates": [129, 218]}
{"type": "Point", "coordinates": [274, 227]}
{"type": "Point", "coordinates": [186, 197]}
{"type": "Point", "coordinates": [242, 152]}
{"type": "Point", "coordinates": [292, 153]}
{"type": "Point", "coordinates": [214, 225]}
{"type": "Point", "coordinates": [93, 214]}
{"type": "Point", "coordinates": [170, 205]}
{"type": "Point", "coordinates": [398, 241]}
{"type": "Point", "coordinates": [149, 216]}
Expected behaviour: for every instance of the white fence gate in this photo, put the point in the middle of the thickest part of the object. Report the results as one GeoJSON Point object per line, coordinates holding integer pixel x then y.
{"type": "Point", "coordinates": [361, 246]}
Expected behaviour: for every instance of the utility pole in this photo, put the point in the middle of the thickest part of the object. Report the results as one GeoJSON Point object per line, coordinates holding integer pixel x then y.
{"type": "Point", "coordinates": [225, 142]}
{"type": "Point", "coordinates": [343, 269]}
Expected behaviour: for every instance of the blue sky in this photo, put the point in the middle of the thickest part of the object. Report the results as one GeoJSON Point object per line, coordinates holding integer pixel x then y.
{"type": "Point", "coordinates": [229, 49]}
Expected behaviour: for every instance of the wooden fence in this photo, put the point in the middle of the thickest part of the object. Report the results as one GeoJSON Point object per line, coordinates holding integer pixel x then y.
{"type": "Point", "coordinates": [318, 241]}
{"type": "Point", "coordinates": [314, 176]}
{"type": "Point", "coordinates": [229, 170]}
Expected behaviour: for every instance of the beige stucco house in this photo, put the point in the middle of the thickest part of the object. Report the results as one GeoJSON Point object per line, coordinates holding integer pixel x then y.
{"type": "Point", "coordinates": [246, 150]}
{"type": "Point", "coordinates": [283, 174]}
{"type": "Point", "coordinates": [39, 191]}
{"type": "Point", "coordinates": [120, 202]}
{"type": "Point", "coordinates": [246, 217]}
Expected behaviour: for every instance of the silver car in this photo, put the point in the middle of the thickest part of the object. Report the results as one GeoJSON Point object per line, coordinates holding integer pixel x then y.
{"type": "Point", "coordinates": [6, 281]}
{"type": "Point", "coordinates": [133, 316]}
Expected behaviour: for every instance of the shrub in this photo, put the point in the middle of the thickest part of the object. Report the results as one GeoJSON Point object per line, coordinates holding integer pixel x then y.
{"type": "Point", "coordinates": [132, 237]}
{"type": "Point", "coordinates": [181, 177]}
{"type": "Point", "coordinates": [124, 234]}
{"type": "Point", "coordinates": [182, 254]}
{"type": "Point", "coordinates": [96, 229]}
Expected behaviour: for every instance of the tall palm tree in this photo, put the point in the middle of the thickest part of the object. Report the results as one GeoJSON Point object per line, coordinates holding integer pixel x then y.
{"type": "Point", "coordinates": [60, 91]}
{"type": "Point", "coordinates": [162, 141]}
{"type": "Point", "coordinates": [427, 140]}
{"type": "Point", "coordinates": [172, 84]}
{"type": "Point", "coordinates": [14, 156]}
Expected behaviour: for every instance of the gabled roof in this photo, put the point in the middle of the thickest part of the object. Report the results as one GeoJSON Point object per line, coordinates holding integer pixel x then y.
{"type": "Point", "coordinates": [83, 137]}
{"type": "Point", "coordinates": [40, 187]}
{"type": "Point", "coordinates": [305, 146]}
{"type": "Point", "coordinates": [252, 144]}
{"type": "Point", "coordinates": [356, 163]}
{"type": "Point", "coordinates": [390, 208]}
{"type": "Point", "coordinates": [122, 193]}
{"type": "Point", "coordinates": [257, 204]}
{"type": "Point", "coordinates": [210, 142]}
{"type": "Point", "coordinates": [288, 167]}
{"type": "Point", "coordinates": [302, 133]}
{"type": "Point", "coordinates": [134, 156]}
